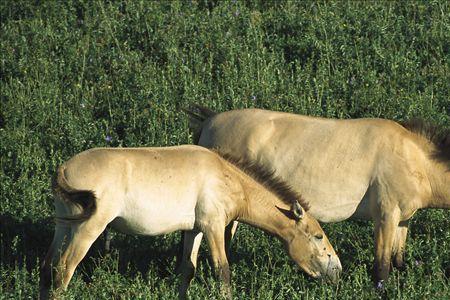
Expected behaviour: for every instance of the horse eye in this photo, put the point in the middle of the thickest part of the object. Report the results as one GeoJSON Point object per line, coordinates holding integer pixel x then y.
{"type": "Point", "coordinates": [319, 236]}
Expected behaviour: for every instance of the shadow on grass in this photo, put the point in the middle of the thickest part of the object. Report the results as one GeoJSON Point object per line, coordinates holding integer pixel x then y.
{"type": "Point", "coordinates": [137, 253]}
{"type": "Point", "coordinates": [24, 243]}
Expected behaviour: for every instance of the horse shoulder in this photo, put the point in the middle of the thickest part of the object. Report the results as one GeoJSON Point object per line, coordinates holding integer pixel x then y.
{"type": "Point", "coordinates": [402, 167]}
{"type": "Point", "coordinates": [220, 194]}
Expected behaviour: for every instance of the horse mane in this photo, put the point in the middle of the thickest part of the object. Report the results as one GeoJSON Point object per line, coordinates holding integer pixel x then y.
{"type": "Point", "coordinates": [267, 178]}
{"type": "Point", "coordinates": [439, 136]}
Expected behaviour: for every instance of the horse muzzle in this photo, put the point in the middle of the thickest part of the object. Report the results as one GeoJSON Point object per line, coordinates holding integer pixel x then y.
{"type": "Point", "coordinates": [333, 269]}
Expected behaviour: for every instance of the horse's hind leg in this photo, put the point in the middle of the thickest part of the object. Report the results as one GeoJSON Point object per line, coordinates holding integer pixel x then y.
{"type": "Point", "coordinates": [191, 244]}
{"type": "Point", "coordinates": [60, 239]}
{"type": "Point", "coordinates": [108, 237]}
{"type": "Point", "coordinates": [400, 243]}
{"type": "Point", "coordinates": [83, 236]}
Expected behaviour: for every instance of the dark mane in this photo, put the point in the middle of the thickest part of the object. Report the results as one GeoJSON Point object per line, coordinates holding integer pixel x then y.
{"type": "Point", "coordinates": [440, 137]}
{"type": "Point", "coordinates": [267, 178]}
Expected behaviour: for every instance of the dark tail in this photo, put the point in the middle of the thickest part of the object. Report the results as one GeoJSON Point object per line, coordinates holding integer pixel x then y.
{"type": "Point", "coordinates": [84, 200]}
{"type": "Point", "coordinates": [197, 116]}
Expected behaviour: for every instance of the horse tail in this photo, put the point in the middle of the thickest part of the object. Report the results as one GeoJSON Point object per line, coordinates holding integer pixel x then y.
{"type": "Point", "coordinates": [83, 201]}
{"type": "Point", "coordinates": [197, 116]}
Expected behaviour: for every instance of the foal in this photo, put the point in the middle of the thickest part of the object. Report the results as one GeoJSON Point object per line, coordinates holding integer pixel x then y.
{"type": "Point", "coordinates": [153, 191]}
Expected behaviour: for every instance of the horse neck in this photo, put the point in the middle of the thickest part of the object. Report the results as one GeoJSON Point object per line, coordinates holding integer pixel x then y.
{"type": "Point", "coordinates": [439, 177]}
{"type": "Point", "coordinates": [262, 210]}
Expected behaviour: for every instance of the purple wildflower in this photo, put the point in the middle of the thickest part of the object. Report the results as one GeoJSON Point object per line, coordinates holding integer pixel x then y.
{"type": "Point", "coordinates": [380, 284]}
{"type": "Point", "coordinates": [108, 138]}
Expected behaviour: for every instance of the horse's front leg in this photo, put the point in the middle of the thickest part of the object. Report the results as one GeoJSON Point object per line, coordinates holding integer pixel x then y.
{"type": "Point", "coordinates": [230, 230]}
{"type": "Point", "coordinates": [385, 232]}
{"type": "Point", "coordinates": [191, 244]}
{"type": "Point", "coordinates": [400, 244]}
{"type": "Point", "coordinates": [216, 241]}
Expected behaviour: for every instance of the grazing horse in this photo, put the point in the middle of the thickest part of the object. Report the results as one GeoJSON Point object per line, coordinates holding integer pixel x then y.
{"type": "Point", "coordinates": [154, 191]}
{"type": "Point", "coordinates": [371, 169]}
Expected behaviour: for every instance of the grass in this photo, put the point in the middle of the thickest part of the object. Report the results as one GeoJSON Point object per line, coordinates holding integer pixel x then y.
{"type": "Point", "coordinates": [81, 74]}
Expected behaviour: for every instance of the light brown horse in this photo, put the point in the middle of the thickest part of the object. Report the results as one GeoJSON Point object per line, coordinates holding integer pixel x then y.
{"type": "Point", "coordinates": [153, 191]}
{"type": "Point", "coordinates": [372, 169]}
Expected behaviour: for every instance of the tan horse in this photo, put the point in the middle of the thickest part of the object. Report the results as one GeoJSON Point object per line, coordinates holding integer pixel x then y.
{"type": "Point", "coordinates": [153, 191]}
{"type": "Point", "coordinates": [372, 169]}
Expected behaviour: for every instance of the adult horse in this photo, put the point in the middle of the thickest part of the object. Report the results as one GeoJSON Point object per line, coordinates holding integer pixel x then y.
{"type": "Point", "coordinates": [372, 169]}
{"type": "Point", "coordinates": [154, 191]}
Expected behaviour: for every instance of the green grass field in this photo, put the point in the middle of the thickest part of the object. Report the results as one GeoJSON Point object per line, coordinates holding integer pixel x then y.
{"type": "Point", "coordinates": [81, 74]}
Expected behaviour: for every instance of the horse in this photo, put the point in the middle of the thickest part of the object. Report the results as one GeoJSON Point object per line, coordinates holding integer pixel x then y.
{"type": "Point", "coordinates": [155, 191]}
{"type": "Point", "coordinates": [372, 169]}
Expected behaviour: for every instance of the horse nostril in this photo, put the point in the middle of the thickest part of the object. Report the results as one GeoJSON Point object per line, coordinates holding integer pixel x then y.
{"type": "Point", "coordinates": [319, 236]}
{"type": "Point", "coordinates": [329, 255]}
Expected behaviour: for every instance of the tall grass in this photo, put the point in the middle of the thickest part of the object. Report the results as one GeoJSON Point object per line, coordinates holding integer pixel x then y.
{"type": "Point", "coordinates": [82, 74]}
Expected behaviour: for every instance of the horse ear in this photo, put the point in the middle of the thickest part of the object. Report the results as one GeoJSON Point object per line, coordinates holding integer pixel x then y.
{"type": "Point", "coordinates": [297, 211]}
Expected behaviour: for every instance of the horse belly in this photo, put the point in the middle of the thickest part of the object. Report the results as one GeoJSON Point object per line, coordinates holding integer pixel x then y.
{"type": "Point", "coordinates": [333, 200]}
{"type": "Point", "coordinates": [335, 212]}
{"type": "Point", "coordinates": [153, 217]}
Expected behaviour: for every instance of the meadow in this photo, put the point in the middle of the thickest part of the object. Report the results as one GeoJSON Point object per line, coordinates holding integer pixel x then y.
{"type": "Point", "coordinates": [80, 74]}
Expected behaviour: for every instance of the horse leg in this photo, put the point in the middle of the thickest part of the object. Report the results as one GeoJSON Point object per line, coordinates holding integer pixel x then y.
{"type": "Point", "coordinates": [385, 230]}
{"type": "Point", "coordinates": [400, 243]}
{"type": "Point", "coordinates": [216, 241]}
{"type": "Point", "coordinates": [191, 244]}
{"type": "Point", "coordinates": [108, 237]}
{"type": "Point", "coordinates": [57, 247]}
{"type": "Point", "coordinates": [230, 230]}
{"type": "Point", "coordinates": [83, 236]}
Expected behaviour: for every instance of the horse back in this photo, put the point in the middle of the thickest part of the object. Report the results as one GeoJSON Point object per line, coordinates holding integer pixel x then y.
{"type": "Point", "coordinates": [333, 163]}
{"type": "Point", "coordinates": [149, 190]}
